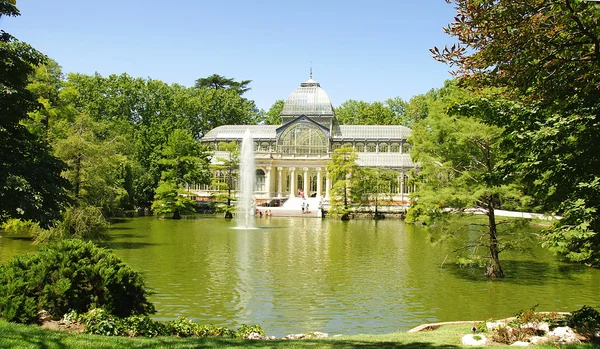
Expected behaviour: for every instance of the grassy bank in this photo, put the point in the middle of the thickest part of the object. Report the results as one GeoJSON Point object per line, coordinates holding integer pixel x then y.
{"type": "Point", "coordinates": [22, 336]}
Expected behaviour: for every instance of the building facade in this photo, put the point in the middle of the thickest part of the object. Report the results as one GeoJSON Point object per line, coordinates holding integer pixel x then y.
{"type": "Point", "coordinates": [293, 156]}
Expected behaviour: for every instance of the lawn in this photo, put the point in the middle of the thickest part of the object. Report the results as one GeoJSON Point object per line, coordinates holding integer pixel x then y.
{"type": "Point", "coordinates": [28, 336]}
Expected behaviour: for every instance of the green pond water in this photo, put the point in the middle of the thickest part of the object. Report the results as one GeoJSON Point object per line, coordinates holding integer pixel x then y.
{"type": "Point", "coordinates": [295, 275]}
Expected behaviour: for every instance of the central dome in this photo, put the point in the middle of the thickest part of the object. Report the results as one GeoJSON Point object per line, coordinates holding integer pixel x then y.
{"type": "Point", "coordinates": [309, 99]}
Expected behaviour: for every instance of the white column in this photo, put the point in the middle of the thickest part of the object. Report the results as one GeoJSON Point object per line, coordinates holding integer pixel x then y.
{"type": "Point", "coordinates": [327, 186]}
{"type": "Point", "coordinates": [292, 172]}
{"type": "Point", "coordinates": [306, 183]}
{"type": "Point", "coordinates": [279, 181]}
{"type": "Point", "coordinates": [268, 181]}
{"type": "Point", "coordinates": [319, 182]}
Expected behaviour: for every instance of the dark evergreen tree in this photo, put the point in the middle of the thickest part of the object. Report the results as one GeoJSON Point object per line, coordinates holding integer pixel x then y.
{"type": "Point", "coordinates": [30, 182]}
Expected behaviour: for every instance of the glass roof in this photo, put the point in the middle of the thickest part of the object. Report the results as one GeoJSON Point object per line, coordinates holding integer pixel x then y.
{"type": "Point", "coordinates": [372, 132]}
{"type": "Point", "coordinates": [387, 160]}
{"type": "Point", "coordinates": [231, 132]}
{"type": "Point", "coordinates": [348, 132]}
{"type": "Point", "coordinates": [308, 99]}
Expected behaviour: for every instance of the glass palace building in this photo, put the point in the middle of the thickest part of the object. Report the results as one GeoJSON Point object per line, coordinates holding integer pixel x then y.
{"type": "Point", "coordinates": [295, 154]}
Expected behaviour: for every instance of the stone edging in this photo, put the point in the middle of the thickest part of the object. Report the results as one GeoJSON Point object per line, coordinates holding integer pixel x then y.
{"type": "Point", "coordinates": [430, 327]}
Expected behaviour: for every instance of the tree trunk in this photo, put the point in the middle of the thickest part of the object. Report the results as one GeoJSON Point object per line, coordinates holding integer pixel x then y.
{"type": "Point", "coordinates": [493, 270]}
{"type": "Point", "coordinates": [176, 215]}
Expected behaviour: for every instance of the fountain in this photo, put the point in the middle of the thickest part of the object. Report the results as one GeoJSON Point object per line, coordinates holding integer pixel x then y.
{"type": "Point", "coordinates": [247, 174]}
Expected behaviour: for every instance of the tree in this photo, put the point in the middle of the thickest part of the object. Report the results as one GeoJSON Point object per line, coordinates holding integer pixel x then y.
{"type": "Point", "coordinates": [273, 116]}
{"type": "Point", "coordinates": [184, 162]}
{"type": "Point", "coordinates": [376, 185]}
{"type": "Point", "coordinates": [226, 169]}
{"type": "Point", "coordinates": [545, 55]}
{"type": "Point", "coordinates": [342, 169]}
{"type": "Point", "coordinates": [217, 81]}
{"type": "Point", "coordinates": [26, 191]}
{"type": "Point", "coordinates": [461, 159]}
{"type": "Point", "coordinates": [399, 107]}
{"type": "Point", "coordinates": [95, 158]}
{"type": "Point", "coordinates": [354, 112]}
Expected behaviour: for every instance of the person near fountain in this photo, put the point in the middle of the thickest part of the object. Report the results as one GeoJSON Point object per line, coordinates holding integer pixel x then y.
{"type": "Point", "coordinates": [303, 205]}
{"type": "Point", "coordinates": [307, 208]}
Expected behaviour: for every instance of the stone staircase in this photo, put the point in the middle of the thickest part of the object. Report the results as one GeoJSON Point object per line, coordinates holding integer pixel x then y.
{"type": "Point", "coordinates": [293, 208]}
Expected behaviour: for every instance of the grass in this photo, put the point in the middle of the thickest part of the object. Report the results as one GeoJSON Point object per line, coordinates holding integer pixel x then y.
{"type": "Point", "coordinates": [27, 336]}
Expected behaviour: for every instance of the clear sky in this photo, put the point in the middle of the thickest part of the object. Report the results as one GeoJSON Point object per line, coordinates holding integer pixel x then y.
{"type": "Point", "coordinates": [363, 50]}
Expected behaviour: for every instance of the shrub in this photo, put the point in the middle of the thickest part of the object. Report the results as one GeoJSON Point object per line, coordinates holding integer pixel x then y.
{"type": "Point", "coordinates": [70, 275]}
{"type": "Point", "coordinates": [585, 321]}
{"type": "Point", "coordinates": [245, 330]}
{"type": "Point", "coordinates": [22, 227]}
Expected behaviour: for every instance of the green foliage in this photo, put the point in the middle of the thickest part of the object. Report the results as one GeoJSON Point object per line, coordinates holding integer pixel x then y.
{"type": "Point", "coordinates": [354, 112]}
{"type": "Point", "coordinates": [225, 173]}
{"type": "Point", "coordinates": [585, 321]}
{"type": "Point", "coordinates": [545, 57]}
{"type": "Point", "coordinates": [70, 275]}
{"type": "Point", "coordinates": [95, 158]}
{"type": "Point", "coordinates": [577, 235]}
{"type": "Point", "coordinates": [98, 321]}
{"type": "Point", "coordinates": [20, 227]}
{"type": "Point", "coordinates": [244, 331]}
{"type": "Point", "coordinates": [273, 116]}
{"type": "Point", "coordinates": [26, 191]}
{"type": "Point", "coordinates": [344, 172]}
{"type": "Point", "coordinates": [183, 162]}
{"type": "Point", "coordinates": [170, 199]}
{"type": "Point", "coordinates": [217, 81]}
{"type": "Point", "coordinates": [461, 158]}
{"type": "Point", "coordinates": [81, 222]}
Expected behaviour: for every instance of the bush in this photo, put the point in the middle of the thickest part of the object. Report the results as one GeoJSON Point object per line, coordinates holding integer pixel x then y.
{"type": "Point", "coordinates": [70, 275]}
{"type": "Point", "coordinates": [585, 321]}
{"type": "Point", "coordinates": [245, 330]}
{"type": "Point", "coordinates": [98, 321]}
{"type": "Point", "coordinates": [22, 227]}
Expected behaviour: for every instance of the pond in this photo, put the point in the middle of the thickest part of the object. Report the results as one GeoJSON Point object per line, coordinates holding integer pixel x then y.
{"type": "Point", "coordinates": [296, 274]}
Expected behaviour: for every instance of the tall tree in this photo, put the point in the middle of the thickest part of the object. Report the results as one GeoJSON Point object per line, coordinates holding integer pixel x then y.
{"type": "Point", "coordinates": [226, 172]}
{"type": "Point", "coordinates": [354, 112]}
{"type": "Point", "coordinates": [30, 183]}
{"type": "Point", "coordinates": [461, 159]}
{"type": "Point", "coordinates": [96, 160]}
{"type": "Point", "coordinates": [217, 81]}
{"type": "Point", "coordinates": [184, 162]}
{"type": "Point", "coordinates": [344, 172]}
{"type": "Point", "coordinates": [546, 57]}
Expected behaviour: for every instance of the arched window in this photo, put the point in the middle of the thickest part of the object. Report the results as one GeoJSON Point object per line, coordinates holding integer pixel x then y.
{"type": "Point", "coordinates": [371, 147]}
{"type": "Point", "coordinates": [395, 148]}
{"type": "Point", "coordinates": [383, 147]}
{"type": "Point", "coordinates": [348, 145]}
{"type": "Point", "coordinates": [264, 146]}
{"type": "Point", "coordinates": [337, 145]}
{"type": "Point", "coordinates": [406, 147]}
{"type": "Point", "coordinates": [360, 147]}
{"type": "Point", "coordinates": [303, 138]}
{"type": "Point", "coordinates": [260, 180]}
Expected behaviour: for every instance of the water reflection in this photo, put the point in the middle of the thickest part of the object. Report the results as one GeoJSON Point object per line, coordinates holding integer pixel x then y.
{"type": "Point", "coordinates": [299, 274]}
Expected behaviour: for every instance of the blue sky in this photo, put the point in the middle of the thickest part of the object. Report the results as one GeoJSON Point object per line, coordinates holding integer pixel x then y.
{"type": "Point", "coordinates": [364, 50]}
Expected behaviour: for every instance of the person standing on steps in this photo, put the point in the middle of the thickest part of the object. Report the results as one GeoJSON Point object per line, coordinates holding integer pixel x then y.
{"type": "Point", "coordinates": [303, 205]}
{"type": "Point", "coordinates": [307, 208]}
